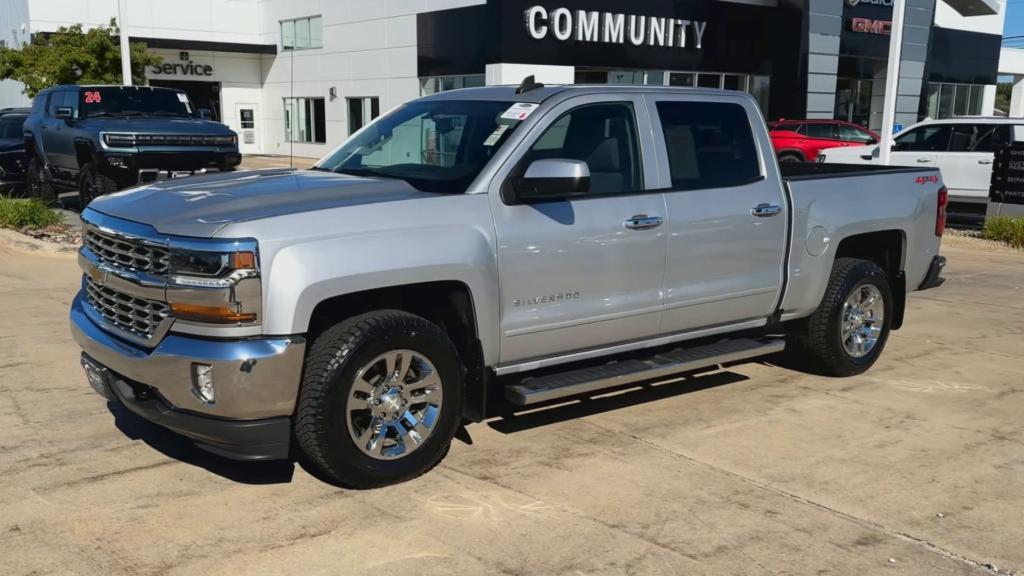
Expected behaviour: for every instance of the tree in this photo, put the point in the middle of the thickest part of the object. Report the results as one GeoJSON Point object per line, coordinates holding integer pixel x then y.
{"type": "Point", "coordinates": [1004, 91]}
{"type": "Point", "coordinates": [70, 56]}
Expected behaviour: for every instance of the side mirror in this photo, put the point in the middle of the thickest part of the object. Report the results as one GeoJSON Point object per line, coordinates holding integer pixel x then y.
{"type": "Point", "coordinates": [205, 113]}
{"type": "Point", "coordinates": [552, 179]}
{"type": "Point", "coordinates": [64, 113]}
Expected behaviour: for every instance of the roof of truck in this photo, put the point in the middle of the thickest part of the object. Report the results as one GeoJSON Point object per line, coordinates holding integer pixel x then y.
{"type": "Point", "coordinates": [510, 93]}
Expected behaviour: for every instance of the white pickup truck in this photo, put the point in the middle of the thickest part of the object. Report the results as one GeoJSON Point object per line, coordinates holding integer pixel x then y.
{"type": "Point", "coordinates": [482, 250]}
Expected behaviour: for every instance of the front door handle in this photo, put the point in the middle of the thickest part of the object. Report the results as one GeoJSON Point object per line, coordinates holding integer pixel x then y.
{"type": "Point", "coordinates": [643, 222]}
{"type": "Point", "coordinates": [766, 210]}
{"type": "Point", "coordinates": [923, 160]}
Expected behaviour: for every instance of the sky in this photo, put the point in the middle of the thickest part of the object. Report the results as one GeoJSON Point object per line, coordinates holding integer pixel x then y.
{"type": "Point", "coordinates": [1014, 21]}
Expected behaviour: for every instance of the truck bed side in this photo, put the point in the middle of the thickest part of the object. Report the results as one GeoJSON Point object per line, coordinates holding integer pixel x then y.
{"type": "Point", "coordinates": [833, 204]}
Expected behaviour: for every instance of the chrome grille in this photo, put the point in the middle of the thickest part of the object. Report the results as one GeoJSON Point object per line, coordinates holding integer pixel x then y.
{"type": "Point", "coordinates": [138, 316]}
{"type": "Point", "coordinates": [125, 253]}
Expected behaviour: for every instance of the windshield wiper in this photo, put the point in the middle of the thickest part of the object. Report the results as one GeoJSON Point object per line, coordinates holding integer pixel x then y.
{"type": "Point", "coordinates": [104, 113]}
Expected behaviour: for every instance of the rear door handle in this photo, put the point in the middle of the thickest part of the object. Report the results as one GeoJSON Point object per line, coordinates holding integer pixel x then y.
{"type": "Point", "coordinates": [923, 160]}
{"type": "Point", "coordinates": [766, 210]}
{"type": "Point", "coordinates": [643, 222]}
{"type": "Point", "coordinates": [984, 161]}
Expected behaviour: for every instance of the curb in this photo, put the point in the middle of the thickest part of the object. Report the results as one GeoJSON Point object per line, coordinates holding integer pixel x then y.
{"type": "Point", "coordinates": [28, 245]}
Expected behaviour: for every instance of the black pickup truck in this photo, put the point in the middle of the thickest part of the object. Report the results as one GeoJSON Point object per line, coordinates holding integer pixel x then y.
{"type": "Point", "coordinates": [99, 139]}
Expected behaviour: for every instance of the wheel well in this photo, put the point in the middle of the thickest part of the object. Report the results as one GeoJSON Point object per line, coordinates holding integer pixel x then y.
{"type": "Point", "coordinates": [795, 153]}
{"type": "Point", "coordinates": [449, 304]}
{"type": "Point", "coordinates": [884, 248]}
{"type": "Point", "coordinates": [83, 153]}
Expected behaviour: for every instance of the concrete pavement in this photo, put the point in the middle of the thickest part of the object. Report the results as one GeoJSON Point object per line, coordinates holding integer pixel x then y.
{"type": "Point", "coordinates": [916, 467]}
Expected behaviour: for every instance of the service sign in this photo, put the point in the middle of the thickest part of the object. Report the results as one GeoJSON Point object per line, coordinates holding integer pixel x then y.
{"type": "Point", "coordinates": [1008, 175]}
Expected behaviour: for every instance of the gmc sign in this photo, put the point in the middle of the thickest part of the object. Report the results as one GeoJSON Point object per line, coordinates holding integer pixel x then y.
{"type": "Point", "coordinates": [870, 26]}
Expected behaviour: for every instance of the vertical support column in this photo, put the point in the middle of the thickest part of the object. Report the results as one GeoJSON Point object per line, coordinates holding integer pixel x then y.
{"type": "Point", "coordinates": [126, 59]}
{"type": "Point", "coordinates": [825, 26]}
{"type": "Point", "coordinates": [892, 77]}
{"type": "Point", "coordinates": [1017, 98]}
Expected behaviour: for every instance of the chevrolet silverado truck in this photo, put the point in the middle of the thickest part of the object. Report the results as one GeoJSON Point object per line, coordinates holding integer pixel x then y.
{"type": "Point", "coordinates": [99, 139]}
{"type": "Point", "coordinates": [482, 251]}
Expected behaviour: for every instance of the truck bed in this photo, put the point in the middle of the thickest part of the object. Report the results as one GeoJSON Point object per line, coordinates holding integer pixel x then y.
{"type": "Point", "coordinates": [813, 171]}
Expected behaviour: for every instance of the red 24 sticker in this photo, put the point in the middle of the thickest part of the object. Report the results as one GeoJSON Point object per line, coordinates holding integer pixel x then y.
{"type": "Point", "coordinates": [93, 97]}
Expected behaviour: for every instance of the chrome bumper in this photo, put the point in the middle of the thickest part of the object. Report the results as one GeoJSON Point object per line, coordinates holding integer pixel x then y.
{"type": "Point", "coordinates": [254, 378]}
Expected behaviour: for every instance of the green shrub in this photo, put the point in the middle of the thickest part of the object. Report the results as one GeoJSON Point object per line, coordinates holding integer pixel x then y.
{"type": "Point", "coordinates": [26, 213]}
{"type": "Point", "coordinates": [1005, 229]}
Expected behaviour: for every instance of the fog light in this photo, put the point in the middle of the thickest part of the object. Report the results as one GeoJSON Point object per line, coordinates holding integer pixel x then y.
{"type": "Point", "coordinates": [202, 382]}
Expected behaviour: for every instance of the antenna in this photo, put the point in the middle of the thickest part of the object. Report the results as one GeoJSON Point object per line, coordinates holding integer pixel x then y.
{"type": "Point", "coordinates": [528, 84]}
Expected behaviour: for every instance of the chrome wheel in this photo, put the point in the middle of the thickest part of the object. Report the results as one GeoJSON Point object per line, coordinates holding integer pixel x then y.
{"type": "Point", "coordinates": [394, 404]}
{"type": "Point", "coordinates": [862, 320]}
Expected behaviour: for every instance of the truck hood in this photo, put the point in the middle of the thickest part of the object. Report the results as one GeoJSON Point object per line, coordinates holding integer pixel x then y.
{"type": "Point", "coordinates": [155, 125]}
{"type": "Point", "coordinates": [199, 206]}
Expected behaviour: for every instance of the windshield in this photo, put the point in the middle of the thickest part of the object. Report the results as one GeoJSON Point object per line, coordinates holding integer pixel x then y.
{"type": "Point", "coordinates": [435, 146]}
{"type": "Point", "coordinates": [134, 101]}
{"type": "Point", "coordinates": [10, 126]}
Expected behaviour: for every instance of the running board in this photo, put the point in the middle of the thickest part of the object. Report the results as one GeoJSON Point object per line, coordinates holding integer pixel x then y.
{"type": "Point", "coordinates": [533, 390]}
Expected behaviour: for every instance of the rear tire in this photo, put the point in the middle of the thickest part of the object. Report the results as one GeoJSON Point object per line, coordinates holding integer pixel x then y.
{"type": "Point", "coordinates": [848, 331]}
{"type": "Point", "coordinates": [380, 402]}
{"type": "Point", "coordinates": [92, 184]}
{"type": "Point", "coordinates": [790, 158]}
{"type": "Point", "coordinates": [36, 184]}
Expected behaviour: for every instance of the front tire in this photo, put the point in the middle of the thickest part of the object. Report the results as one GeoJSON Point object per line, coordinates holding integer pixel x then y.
{"type": "Point", "coordinates": [92, 184]}
{"type": "Point", "coordinates": [848, 331]}
{"type": "Point", "coordinates": [35, 182]}
{"type": "Point", "coordinates": [380, 402]}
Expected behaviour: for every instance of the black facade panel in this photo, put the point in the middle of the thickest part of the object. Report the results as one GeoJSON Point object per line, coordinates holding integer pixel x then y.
{"type": "Point", "coordinates": [963, 57]}
{"type": "Point", "coordinates": [738, 38]}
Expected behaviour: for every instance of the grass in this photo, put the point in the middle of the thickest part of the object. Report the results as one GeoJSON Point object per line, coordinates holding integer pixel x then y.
{"type": "Point", "coordinates": [1005, 229]}
{"type": "Point", "coordinates": [20, 213]}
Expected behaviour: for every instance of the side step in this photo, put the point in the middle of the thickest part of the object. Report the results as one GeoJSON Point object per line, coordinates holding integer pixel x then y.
{"type": "Point", "coordinates": [533, 390]}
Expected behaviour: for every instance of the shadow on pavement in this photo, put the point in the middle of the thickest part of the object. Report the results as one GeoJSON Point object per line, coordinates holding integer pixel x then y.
{"type": "Point", "coordinates": [184, 450]}
{"type": "Point", "coordinates": [631, 396]}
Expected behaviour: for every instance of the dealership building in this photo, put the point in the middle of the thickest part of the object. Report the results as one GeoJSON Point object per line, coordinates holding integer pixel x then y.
{"type": "Point", "coordinates": [298, 76]}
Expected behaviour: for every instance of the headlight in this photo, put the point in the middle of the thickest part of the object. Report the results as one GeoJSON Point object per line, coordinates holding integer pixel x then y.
{"type": "Point", "coordinates": [214, 287]}
{"type": "Point", "coordinates": [119, 140]}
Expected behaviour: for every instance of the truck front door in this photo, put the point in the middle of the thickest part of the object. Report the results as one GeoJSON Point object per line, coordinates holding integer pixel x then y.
{"type": "Point", "coordinates": [58, 141]}
{"type": "Point", "coordinates": [578, 273]}
{"type": "Point", "coordinates": [726, 212]}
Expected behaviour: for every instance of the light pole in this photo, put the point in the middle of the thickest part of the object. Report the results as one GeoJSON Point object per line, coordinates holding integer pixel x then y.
{"type": "Point", "coordinates": [126, 58]}
{"type": "Point", "coordinates": [892, 81]}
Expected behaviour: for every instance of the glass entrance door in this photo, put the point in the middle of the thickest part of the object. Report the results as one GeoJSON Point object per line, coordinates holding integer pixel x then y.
{"type": "Point", "coordinates": [853, 100]}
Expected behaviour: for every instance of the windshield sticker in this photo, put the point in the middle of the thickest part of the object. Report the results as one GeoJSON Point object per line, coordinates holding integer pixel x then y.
{"type": "Point", "coordinates": [182, 98]}
{"type": "Point", "coordinates": [519, 111]}
{"type": "Point", "coordinates": [496, 135]}
{"type": "Point", "coordinates": [93, 97]}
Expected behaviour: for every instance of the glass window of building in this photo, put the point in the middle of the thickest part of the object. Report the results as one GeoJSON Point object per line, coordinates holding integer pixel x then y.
{"type": "Point", "coordinates": [302, 33]}
{"type": "Point", "coordinates": [435, 84]}
{"type": "Point", "coordinates": [951, 100]}
{"type": "Point", "coordinates": [755, 85]}
{"type": "Point", "coordinates": [304, 120]}
{"type": "Point", "coordinates": [361, 111]}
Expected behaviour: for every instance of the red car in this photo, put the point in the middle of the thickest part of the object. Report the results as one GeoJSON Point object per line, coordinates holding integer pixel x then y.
{"type": "Point", "coordinates": [801, 140]}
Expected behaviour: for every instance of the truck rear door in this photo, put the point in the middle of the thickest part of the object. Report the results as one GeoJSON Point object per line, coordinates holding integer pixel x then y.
{"type": "Point", "coordinates": [585, 271]}
{"type": "Point", "coordinates": [726, 211]}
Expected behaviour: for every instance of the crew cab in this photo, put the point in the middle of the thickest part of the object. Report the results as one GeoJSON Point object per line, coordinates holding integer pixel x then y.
{"type": "Point", "coordinates": [803, 140]}
{"type": "Point", "coordinates": [963, 149]}
{"type": "Point", "coordinates": [100, 139]}
{"type": "Point", "coordinates": [487, 250]}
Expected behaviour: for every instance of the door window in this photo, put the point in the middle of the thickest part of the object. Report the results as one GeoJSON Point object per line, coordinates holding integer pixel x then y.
{"type": "Point", "coordinates": [821, 130]}
{"type": "Point", "coordinates": [710, 145]}
{"type": "Point", "coordinates": [56, 101]}
{"type": "Point", "coordinates": [789, 127]}
{"type": "Point", "coordinates": [924, 139]}
{"type": "Point", "coordinates": [602, 135]}
{"type": "Point", "coordinates": [990, 137]}
{"type": "Point", "coordinates": [849, 133]}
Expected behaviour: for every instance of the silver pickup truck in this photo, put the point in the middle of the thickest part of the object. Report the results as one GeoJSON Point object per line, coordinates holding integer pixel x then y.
{"type": "Point", "coordinates": [479, 251]}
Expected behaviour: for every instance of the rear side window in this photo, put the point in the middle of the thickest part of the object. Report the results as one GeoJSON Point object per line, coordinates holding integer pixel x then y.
{"type": "Point", "coordinates": [826, 131]}
{"type": "Point", "coordinates": [709, 144]}
{"type": "Point", "coordinates": [978, 137]}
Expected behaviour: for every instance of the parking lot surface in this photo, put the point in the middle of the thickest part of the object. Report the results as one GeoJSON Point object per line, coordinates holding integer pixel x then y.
{"type": "Point", "coordinates": [916, 467]}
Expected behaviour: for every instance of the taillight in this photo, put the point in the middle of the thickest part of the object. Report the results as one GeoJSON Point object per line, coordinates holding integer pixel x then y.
{"type": "Point", "coordinates": [940, 211]}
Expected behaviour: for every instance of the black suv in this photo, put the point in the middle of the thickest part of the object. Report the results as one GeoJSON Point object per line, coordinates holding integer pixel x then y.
{"type": "Point", "coordinates": [12, 148]}
{"type": "Point", "coordinates": [99, 139]}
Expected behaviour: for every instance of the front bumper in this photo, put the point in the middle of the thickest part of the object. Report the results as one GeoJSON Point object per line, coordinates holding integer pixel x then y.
{"type": "Point", "coordinates": [256, 383]}
{"type": "Point", "coordinates": [933, 278]}
{"type": "Point", "coordinates": [126, 166]}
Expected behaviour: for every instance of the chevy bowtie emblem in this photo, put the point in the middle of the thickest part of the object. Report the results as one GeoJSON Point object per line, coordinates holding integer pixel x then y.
{"type": "Point", "coordinates": [98, 275]}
